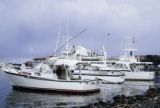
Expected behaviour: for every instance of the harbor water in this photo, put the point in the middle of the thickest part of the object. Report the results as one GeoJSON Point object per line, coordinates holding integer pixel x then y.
{"type": "Point", "coordinates": [10, 98]}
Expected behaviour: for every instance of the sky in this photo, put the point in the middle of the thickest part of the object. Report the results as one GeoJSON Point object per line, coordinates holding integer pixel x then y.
{"type": "Point", "coordinates": [29, 28]}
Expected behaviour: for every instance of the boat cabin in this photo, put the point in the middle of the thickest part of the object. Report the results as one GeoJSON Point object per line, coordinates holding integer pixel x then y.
{"type": "Point", "coordinates": [133, 66]}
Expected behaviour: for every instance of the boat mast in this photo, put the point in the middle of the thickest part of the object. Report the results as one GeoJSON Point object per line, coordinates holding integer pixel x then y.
{"type": "Point", "coordinates": [129, 50]}
{"type": "Point", "coordinates": [59, 31]}
{"type": "Point", "coordinates": [62, 46]}
{"type": "Point", "coordinates": [104, 51]}
{"type": "Point", "coordinates": [67, 45]}
{"type": "Point", "coordinates": [105, 55]}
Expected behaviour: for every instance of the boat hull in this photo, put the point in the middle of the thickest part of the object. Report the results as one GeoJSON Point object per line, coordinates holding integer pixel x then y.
{"type": "Point", "coordinates": [105, 77]}
{"type": "Point", "coordinates": [42, 84]}
{"type": "Point", "coordinates": [139, 76]}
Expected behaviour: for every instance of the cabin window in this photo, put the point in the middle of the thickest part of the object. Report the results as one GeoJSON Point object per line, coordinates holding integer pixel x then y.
{"type": "Point", "coordinates": [17, 68]}
{"type": "Point", "coordinates": [140, 67]}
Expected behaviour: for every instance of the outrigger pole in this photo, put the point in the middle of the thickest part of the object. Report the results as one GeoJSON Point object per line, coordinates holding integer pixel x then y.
{"type": "Point", "coordinates": [70, 40]}
{"type": "Point", "coordinates": [56, 50]}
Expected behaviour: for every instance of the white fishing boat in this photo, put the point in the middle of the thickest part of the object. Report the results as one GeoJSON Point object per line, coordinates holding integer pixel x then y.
{"type": "Point", "coordinates": [94, 67]}
{"type": "Point", "coordinates": [46, 79]}
{"type": "Point", "coordinates": [132, 67]}
{"type": "Point", "coordinates": [136, 71]}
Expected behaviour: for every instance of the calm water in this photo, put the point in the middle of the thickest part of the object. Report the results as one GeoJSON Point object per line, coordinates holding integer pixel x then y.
{"type": "Point", "coordinates": [17, 99]}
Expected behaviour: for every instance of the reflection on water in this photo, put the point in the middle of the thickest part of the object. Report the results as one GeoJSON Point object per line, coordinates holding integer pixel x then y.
{"type": "Point", "coordinates": [12, 98]}
{"type": "Point", "coordinates": [5, 89]}
{"type": "Point", "coordinates": [137, 87]}
{"type": "Point", "coordinates": [22, 99]}
{"type": "Point", "coordinates": [108, 91]}
{"type": "Point", "coordinates": [129, 88]}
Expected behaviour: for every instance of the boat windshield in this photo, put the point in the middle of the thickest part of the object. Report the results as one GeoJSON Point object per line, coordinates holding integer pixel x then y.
{"type": "Point", "coordinates": [87, 67]}
{"type": "Point", "coordinates": [140, 67]}
{"type": "Point", "coordinates": [121, 66]}
{"type": "Point", "coordinates": [79, 66]}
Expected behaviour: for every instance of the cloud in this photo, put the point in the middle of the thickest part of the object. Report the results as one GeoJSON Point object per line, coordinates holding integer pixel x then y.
{"type": "Point", "coordinates": [29, 28]}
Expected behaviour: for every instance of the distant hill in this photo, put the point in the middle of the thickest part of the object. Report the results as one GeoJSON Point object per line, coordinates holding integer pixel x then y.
{"type": "Point", "coordinates": [150, 58]}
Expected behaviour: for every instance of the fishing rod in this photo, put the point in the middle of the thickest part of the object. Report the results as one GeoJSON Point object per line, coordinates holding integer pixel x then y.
{"type": "Point", "coordinates": [65, 44]}
{"type": "Point", "coordinates": [70, 40]}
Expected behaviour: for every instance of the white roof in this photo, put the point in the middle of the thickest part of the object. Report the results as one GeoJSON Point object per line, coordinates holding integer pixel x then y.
{"type": "Point", "coordinates": [69, 62]}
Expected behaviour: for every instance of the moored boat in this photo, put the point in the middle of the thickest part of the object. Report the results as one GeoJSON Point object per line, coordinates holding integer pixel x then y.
{"type": "Point", "coordinates": [46, 79]}
{"type": "Point", "coordinates": [107, 75]}
{"type": "Point", "coordinates": [136, 71]}
{"type": "Point", "coordinates": [132, 67]}
{"type": "Point", "coordinates": [93, 66]}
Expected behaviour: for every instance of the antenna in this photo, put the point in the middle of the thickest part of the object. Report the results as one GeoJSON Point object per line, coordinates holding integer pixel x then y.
{"type": "Point", "coordinates": [129, 50]}
{"type": "Point", "coordinates": [105, 37]}
{"type": "Point", "coordinates": [57, 40]}
{"type": "Point", "coordinates": [70, 40]}
{"type": "Point", "coordinates": [105, 54]}
{"type": "Point", "coordinates": [67, 45]}
{"type": "Point", "coordinates": [130, 45]}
